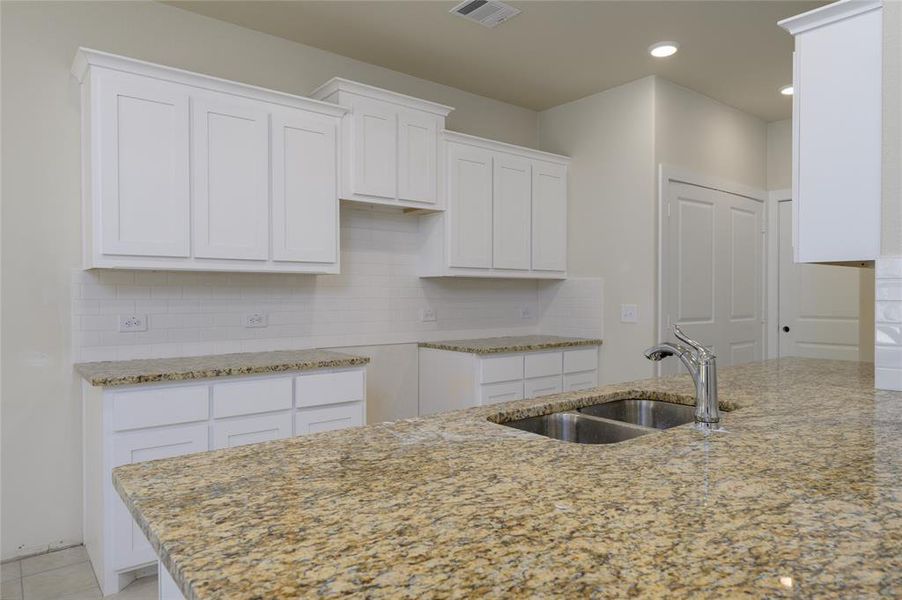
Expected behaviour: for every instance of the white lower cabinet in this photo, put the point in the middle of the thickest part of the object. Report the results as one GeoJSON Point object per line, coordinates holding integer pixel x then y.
{"type": "Point", "coordinates": [451, 380]}
{"type": "Point", "coordinates": [124, 425]}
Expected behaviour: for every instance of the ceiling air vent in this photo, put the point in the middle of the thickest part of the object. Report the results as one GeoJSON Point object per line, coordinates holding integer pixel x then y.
{"type": "Point", "coordinates": [488, 13]}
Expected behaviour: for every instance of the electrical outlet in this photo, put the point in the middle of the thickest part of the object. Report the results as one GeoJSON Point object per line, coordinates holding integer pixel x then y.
{"type": "Point", "coordinates": [629, 313]}
{"type": "Point", "coordinates": [526, 312]}
{"type": "Point", "coordinates": [257, 319]}
{"type": "Point", "coordinates": [132, 323]}
{"type": "Point", "coordinates": [427, 315]}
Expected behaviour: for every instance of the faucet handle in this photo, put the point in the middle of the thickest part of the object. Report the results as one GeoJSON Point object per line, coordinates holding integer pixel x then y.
{"type": "Point", "coordinates": [700, 350]}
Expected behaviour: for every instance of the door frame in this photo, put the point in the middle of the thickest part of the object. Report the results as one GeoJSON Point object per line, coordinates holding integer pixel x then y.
{"type": "Point", "coordinates": [668, 174]}
{"type": "Point", "coordinates": [772, 339]}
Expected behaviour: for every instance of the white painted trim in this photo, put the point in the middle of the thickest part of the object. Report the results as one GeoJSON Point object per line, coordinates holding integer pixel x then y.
{"type": "Point", "coordinates": [472, 140]}
{"type": "Point", "coordinates": [771, 337]}
{"type": "Point", "coordinates": [86, 58]}
{"type": "Point", "coordinates": [668, 173]}
{"type": "Point", "coordinates": [830, 13]}
{"type": "Point", "coordinates": [338, 84]}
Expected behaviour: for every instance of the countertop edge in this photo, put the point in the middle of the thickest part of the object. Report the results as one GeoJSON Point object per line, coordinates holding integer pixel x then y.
{"type": "Point", "coordinates": [450, 347]}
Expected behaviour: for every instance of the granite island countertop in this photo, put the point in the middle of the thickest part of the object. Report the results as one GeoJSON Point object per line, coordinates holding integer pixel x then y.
{"type": "Point", "coordinates": [801, 495]}
{"type": "Point", "coordinates": [516, 343]}
{"type": "Point", "coordinates": [181, 368]}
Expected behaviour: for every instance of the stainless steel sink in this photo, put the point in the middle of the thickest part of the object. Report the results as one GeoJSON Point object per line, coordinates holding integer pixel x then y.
{"type": "Point", "coordinates": [582, 429]}
{"type": "Point", "coordinates": [647, 413]}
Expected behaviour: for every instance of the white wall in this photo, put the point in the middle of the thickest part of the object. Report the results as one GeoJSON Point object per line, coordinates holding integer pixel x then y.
{"type": "Point", "coordinates": [610, 137]}
{"type": "Point", "coordinates": [779, 155]}
{"type": "Point", "coordinates": [41, 465]}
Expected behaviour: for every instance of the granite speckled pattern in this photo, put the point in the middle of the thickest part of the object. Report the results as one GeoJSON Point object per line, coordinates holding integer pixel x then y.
{"type": "Point", "coordinates": [518, 343]}
{"type": "Point", "coordinates": [801, 495]}
{"type": "Point", "coordinates": [130, 372]}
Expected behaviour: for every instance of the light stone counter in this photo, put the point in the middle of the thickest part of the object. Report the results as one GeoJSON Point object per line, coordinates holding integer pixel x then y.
{"type": "Point", "coordinates": [517, 343]}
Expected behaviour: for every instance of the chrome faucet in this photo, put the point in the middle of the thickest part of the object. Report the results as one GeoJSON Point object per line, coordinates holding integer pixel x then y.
{"type": "Point", "coordinates": [702, 367]}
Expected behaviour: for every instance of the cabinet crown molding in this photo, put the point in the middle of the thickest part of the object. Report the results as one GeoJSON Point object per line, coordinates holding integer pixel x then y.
{"type": "Point", "coordinates": [472, 140]}
{"type": "Point", "coordinates": [338, 84]}
{"type": "Point", "coordinates": [85, 58]}
{"type": "Point", "coordinates": [830, 13]}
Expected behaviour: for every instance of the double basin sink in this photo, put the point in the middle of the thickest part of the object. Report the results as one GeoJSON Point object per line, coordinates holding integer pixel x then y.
{"type": "Point", "coordinates": [610, 422]}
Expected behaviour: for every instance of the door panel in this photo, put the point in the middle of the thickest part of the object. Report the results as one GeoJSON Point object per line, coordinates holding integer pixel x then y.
{"type": "Point", "coordinates": [144, 166]}
{"type": "Point", "coordinates": [818, 303]}
{"type": "Point", "coordinates": [375, 149]}
{"type": "Point", "coordinates": [417, 157]}
{"type": "Point", "coordinates": [251, 430]}
{"type": "Point", "coordinates": [512, 208]}
{"type": "Point", "coordinates": [549, 217]}
{"type": "Point", "coordinates": [695, 285]}
{"type": "Point", "coordinates": [231, 179]}
{"type": "Point", "coordinates": [470, 206]}
{"type": "Point", "coordinates": [304, 188]}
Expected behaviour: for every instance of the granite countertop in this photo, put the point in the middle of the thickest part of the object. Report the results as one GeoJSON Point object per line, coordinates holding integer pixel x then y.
{"type": "Point", "coordinates": [801, 495]}
{"type": "Point", "coordinates": [517, 343]}
{"type": "Point", "coordinates": [130, 372]}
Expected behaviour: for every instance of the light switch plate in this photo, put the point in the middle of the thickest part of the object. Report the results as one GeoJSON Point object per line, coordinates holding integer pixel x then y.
{"type": "Point", "coordinates": [629, 313]}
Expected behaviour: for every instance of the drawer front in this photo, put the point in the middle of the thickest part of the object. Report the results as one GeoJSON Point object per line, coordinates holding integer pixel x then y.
{"type": "Point", "coordinates": [130, 547]}
{"type": "Point", "coordinates": [494, 393]}
{"type": "Point", "coordinates": [580, 381]}
{"type": "Point", "coordinates": [160, 406]}
{"type": "Point", "coordinates": [251, 430]}
{"type": "Point", "coordinates": [585, 359]}
{"type": "Point", "coordinates": [501, 368]}
{"type": "Point", "coordinates": [318, 389]}
{"type": "Point", "coordinates": [542, 364]}
{"type": "Point", "coordinates": [249, 397]}
{"type": "Point", "coordinates": [542, 386]}
{"type": "Point", "coordinates": [328, 418]}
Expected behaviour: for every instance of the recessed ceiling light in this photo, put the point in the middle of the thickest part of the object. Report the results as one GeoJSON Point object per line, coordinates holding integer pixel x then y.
{"type": "Point", "coordinates": [663, 49]}
{"type": "Point", "coordinates": [786, 90]}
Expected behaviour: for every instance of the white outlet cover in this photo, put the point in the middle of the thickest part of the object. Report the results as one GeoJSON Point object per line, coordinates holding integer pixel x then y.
{"type": "Point", "coordinates": [256, 319]}
{"type": "Point", "coordinates": [427, 315]}
{"type": "Point", "coordinates": [629, 313]}
{"type": "Point", "coordinates": [130, 323]}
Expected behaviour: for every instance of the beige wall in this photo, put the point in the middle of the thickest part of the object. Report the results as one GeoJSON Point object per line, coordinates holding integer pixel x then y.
{"type": "Point", "coordinates": [610, 137]}
{"type": "Point", "coordinates": [41, 243]}
{"type": "Point", "coordinates": [779, 155]}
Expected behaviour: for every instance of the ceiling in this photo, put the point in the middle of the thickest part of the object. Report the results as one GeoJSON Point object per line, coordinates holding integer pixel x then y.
{"type": "Point", "coordinates": [554, 51]}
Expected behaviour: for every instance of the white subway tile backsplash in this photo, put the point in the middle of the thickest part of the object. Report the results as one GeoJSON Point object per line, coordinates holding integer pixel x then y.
{"type": "Point", "coordinates": [889, 267]}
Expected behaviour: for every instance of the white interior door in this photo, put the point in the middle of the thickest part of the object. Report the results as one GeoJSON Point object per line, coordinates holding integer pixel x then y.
{"type": "Point", "coordinates": [818, 304]}
{"type": "Point", "coordinates": [712, 271]}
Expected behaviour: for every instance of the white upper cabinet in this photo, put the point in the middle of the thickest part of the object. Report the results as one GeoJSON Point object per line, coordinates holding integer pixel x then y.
{"type": "Point", "coordinates": [183, 171]}
{"type": "Point", "coordinates": [506, 215]}
{"type": "Point", "coordinates": [837, 137]}
{"type": "Point", "coordinates": [390, 149]}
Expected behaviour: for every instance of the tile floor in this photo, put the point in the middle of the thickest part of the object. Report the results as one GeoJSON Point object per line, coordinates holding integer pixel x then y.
{"type": "Point", "coordinates": [63, 575]}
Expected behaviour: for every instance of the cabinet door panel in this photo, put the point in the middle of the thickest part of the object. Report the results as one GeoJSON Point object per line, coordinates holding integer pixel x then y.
{"type": "Point", "coordinates": [549, 217]}
{"type": "Point", "coordinates": [470, 206]}
{"type": "Point", "coordinates": [328, 418]}
{"type": "Point", "coordinates": [375, 149]}
{"type": "Point", "coordinates": [304, 188]}
{"type": "Point", "coordinates": [251, 430]}
{"type": "Point", "coordinates": [143, 163]}
{"type": "Point", "coordinates": [231, 180]}
{"type": "Point", "coordinates": [417, 152]}
{"type": "Point", "coordinates": [511, 209]}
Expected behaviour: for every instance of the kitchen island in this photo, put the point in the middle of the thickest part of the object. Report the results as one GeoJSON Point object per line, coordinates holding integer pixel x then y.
{"type": "Point", "coordinates": [800, 495]}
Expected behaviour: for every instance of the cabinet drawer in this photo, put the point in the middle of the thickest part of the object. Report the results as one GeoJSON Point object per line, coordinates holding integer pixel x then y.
{"type": "Point", "coordinates": [160, 406]}
{"type": "Point", "coordinates": [580, 381]}
{"type": "Point", "coordinates": [248, 397]}
{"type": "Point", "coordinates": [328, 418]}
{"type": "Point", "coordinates": [251, 430]}
{"type": "Point", "coordinates": [542, 364]}
{"type": "Point", "coordinates": [542, 386]}
{"type": "Point", "coordinates": [501, 368]}
{"type": "Point", "coordinates": [580, 360]}
{"type": "Point", "coordinates": [328, 388]}
{"type": "Point", "coordinates": [494, 393]}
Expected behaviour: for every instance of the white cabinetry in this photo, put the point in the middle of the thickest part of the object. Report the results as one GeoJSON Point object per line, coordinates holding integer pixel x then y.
{"type": "Point", "coordinates": [506, 213]}
{"type": "Point", "coordinates": [390, 149]}
{"type": "Point", "coordinates": [183, 171]}
{"type": "Point", "coordinates": [451, 380]}
{"type": "Point", "coordinates": [837, 131]}
{"type": "Point", "coordinates": [130, 424]}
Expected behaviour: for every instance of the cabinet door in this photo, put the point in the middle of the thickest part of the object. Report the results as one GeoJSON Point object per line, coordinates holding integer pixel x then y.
{"type": "Point", "coordinates": [470, 206]}
{"type": "Point", "coordinates": [231, 179]}
{"type": "Point", "coordinates": [304, 188]}
{"type": "Point", "coordinates": [251, 430]}
{"type": "Point", "coordinates": [549, 217]}
{"type": "Point", "coordinates": [328, 418]}
{"type": "Point", "coordinates": [417, 152]}
{"type": "Point", "coordinates": [375, 148]}
{"type": "Point", "coordinates": [143, 166]}
{"type": "Point", "coordinates": [512, 207]}
{"type": "Point", "coordinates": [130, 547]}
